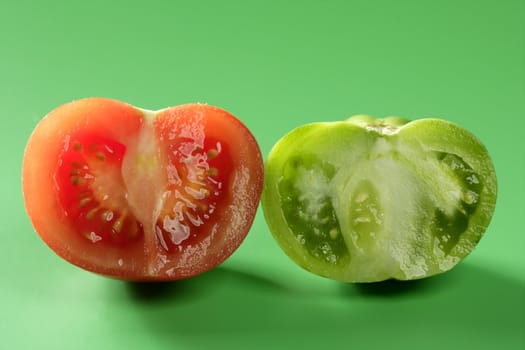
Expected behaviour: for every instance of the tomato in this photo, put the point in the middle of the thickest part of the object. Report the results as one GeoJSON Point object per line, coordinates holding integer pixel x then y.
{"type": "Point", "coordinates": [367, 199]}
{"type": "Point", "coordinates": [142, 195]}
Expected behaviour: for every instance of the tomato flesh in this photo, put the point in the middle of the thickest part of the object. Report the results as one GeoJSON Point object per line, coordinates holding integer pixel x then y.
{"type": "Point", "coordinates": [366, 200]}
{"type": "Point", "coordinates": [96, 206]}
{"type": "Point", "coordinates": [142, 195]}
{"type": "Point", "coordinates": [197, 170]}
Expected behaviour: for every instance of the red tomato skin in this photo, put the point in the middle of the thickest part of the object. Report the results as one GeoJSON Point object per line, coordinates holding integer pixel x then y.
{"type": "Point", "coordinates": [140, 260]}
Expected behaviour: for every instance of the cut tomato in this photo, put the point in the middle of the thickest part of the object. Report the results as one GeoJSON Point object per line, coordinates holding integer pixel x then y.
{"type": "Point", "coordinates": [366, 200]}
{"type": "Point", "coordinates": [142, 195]}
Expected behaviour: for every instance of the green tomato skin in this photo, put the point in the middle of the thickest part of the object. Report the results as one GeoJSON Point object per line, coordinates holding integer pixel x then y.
{"type": "Point", "coordinates": [365, 200]}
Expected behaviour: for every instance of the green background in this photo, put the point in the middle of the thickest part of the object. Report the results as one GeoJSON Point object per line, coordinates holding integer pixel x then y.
{"type": "Point", "coordinates": [275, 65]}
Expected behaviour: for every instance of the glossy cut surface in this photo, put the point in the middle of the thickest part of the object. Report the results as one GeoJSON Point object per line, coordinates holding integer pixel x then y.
{"type": "Point", "coordinates": [367, 199]}
{"type": "Point", "coordinates": [142, 195]}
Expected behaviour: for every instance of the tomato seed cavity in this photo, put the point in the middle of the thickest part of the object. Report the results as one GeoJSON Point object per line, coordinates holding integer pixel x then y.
{"type": "Point", "coordinates": [193, 192]}
{"type": "Point", "coordinates": [97, 206]}
{"type": "Point", "coordinates": [308, 208]}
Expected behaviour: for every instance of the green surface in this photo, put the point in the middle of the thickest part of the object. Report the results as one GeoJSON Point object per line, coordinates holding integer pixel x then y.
{"type": "Point", "coordinates": [275, 65]}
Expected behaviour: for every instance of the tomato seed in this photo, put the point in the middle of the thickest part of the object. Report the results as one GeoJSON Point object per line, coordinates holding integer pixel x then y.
{"type": "Point", "coordinates": [212, 153]}
{"type": "Point", "coordinates": [362, 219]}
{"type": "Point", "coordinates": [107, 215]}
{"type": "Point", "coordinates": [85, 201]}
{"type": "Point", "coordinates": [469, 197]}
{"type": "Point", "coordinates": [77, 164]}
{"type": "Point", "coordinates": [76, 180]}
{"type": "Point", "coordinates": [91, 214]}
{"type": "Point", "coordinates": [117, 225]}
{"type": "Point", "coordinates": [93, 237]}
{"type": "Point", "coordinates": [361, 197]}
{"type": "Point", "coordinates": [77, 146]}
{"type": "Point", "coordinates": [333, 233]}
{"type": "Point", "coordinates": [100, 156]}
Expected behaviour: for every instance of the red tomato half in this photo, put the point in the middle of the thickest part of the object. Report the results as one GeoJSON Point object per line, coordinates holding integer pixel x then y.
{"type": "Point", "coordinates": [142, 195]}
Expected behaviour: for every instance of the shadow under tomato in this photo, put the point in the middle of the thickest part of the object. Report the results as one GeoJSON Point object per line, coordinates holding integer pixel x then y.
{"type": "Point", "coordinates": [156, 292]}
{"type": "Point", "coordinates": [193, 288]}
{"type": "Point", "coordinates": [465, 306]}
{"type": "Point", "coordinates": [399, 289]}
{"type": "Point", "coordinates": [388, 288]}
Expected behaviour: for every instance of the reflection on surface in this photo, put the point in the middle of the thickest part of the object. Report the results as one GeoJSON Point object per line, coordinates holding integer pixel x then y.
{"type": "Point", "coordinates": [463, 307]}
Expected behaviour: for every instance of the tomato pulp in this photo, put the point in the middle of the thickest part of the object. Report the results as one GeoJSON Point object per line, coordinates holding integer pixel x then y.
{"type": "Point", "coordinates": [365, 200]}
{"type": "Point", "coordinates": [142, 195]}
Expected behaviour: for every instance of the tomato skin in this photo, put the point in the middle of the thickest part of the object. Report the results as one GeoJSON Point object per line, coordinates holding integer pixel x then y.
{"type": "Point", "coordinates": [143, 165]}
{"type": "Point", "coordinates": [365, 200]}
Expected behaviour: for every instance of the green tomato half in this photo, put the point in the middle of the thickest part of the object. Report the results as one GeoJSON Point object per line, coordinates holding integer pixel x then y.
{"type": "Point", "coordinates": [366, 199]}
